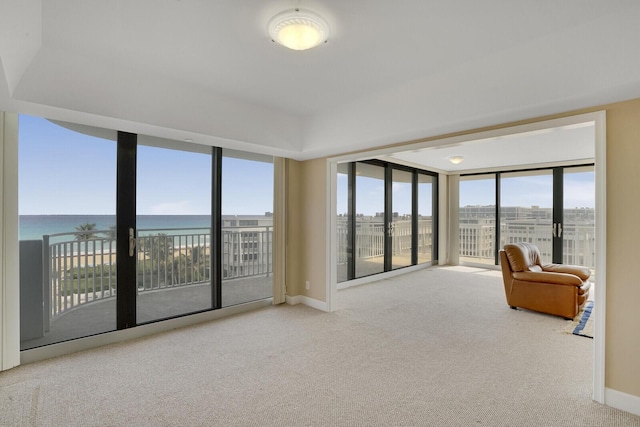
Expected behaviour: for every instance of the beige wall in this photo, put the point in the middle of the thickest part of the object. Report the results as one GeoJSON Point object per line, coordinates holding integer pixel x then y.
{"type": "Point", "coordinates": [295, 233]}
{"type": "Point", "coordinates": [307, 228]}
{"type": "Point", "coordinates": [307, 234]}
{"type": "Point", "coordinates": [623, 234]}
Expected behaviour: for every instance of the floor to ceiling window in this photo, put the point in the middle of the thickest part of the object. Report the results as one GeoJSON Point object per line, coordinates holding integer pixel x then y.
{"type": "Point", "coordinates": [370, 229]}
{"type": "Point", "coordinates": [118, 229]}
{"type": "Point", "coordinates": [401, 219]}
{"type": "Point", "coordinates": [578, 225]}
{"type": "Point", "coordinates": [67, 205]}
{"type": "Point", "coordinates": [247, 227]}
{"type": "Point", "coordinates": [526, 210]}
{"type": "Point", "coordinates": [552, 208]}
{"type": "Point", "coordinates": [342, 220]}
{"type": "Point", "coordinates": [385, 217]}
{"type": "Point", "coordinates": [173, 220]}
{"type": "Point", "coordinates": [427, 234]}
{"type": "Point", "coordinates": [477, 220]}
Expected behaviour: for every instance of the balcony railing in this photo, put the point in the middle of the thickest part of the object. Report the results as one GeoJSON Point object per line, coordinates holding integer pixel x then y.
{"type": "Point", "coordinates": [370, 239]}
{"type": "Point", "coordinates": [81, 271]}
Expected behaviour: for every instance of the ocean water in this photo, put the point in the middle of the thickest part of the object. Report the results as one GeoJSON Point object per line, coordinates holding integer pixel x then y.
{"type": "Point", "coordinates": [33, 227]}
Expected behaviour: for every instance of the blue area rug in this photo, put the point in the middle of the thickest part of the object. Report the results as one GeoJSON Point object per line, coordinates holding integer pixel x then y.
{"type": "Point", "coordinates": [584, 328]}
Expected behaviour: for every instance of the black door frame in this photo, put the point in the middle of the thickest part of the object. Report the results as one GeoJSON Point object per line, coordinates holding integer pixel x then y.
{"type": "Point", "coordinates": [557, 230]}
{"type": "Point", "coordinates": [558, 215]}
{"type": "Point", "coordinates": [126, 265]}
{"type": "Point", "coordinates": [388, 214]}
{"type": "Point", "coordinates": [126, 230]}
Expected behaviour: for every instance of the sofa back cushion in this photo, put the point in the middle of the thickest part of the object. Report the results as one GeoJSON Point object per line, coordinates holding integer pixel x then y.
{"type": "Point", "coordinates": [523, 257]}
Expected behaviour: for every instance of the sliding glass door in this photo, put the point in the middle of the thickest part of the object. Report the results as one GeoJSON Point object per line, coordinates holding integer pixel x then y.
{"type": "Point", "coordinates": [477, 219]}
{"type": "Point", "coordinates": [426, 238]}
{"type": "Point", "coordinates": [526, 210]}
{"type": "Point", "coordinates": [370, 227]}
{"type": "Point", "coordinates": [385, 218]}
{"type": "Point", "coordinates": [119, 229]}
{"type": "Point", "coordinates": [401, 218]}
{"type": "Point", "coordinates": [578, 225]}
{"type": "Point", "coordinates": [247, 227]}
{"type": "Point", "coordinates": [552, 208]}
{"type": "Point", "coordinates": [173, 224]}
{"type": "Point", "coordinates": [344, 251]}
{"type": "Point", "coordinates": [67, 206]}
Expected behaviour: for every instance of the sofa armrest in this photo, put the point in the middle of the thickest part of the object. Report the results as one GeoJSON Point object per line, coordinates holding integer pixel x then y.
{"type": "Point", "coordinates": [548, 277]}
{"type": "Point", "coordinates": [582, 272]}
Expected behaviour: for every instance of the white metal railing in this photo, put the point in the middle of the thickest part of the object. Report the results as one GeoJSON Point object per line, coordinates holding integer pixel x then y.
{"type": "Point", "coordinates": [477, 240]}
{"type": "Point", "coordinates": [370, 239]}
{"type": "Point", "coordinates": [80, 270]}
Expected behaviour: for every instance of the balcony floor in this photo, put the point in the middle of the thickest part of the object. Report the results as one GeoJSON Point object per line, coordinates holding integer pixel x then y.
{"type": "Point", "coordinates": [100, 316]}
{"type": "Point", "coordinates": [375, 265]}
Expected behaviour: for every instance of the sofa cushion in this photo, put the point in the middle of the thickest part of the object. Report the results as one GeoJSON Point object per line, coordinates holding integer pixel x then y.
{"type": "Point", "coordinates": [545, 277]}
{"type": "Point", "coordinates": [523, 257]}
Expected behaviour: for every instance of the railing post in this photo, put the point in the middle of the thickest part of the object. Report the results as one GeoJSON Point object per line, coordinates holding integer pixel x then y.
{"type": "Point", "coordinates": [46, 282]}
{"type": "Point", "coordinates": [268, 251]}
{"type": "Point", "coordinates": [238, 237]}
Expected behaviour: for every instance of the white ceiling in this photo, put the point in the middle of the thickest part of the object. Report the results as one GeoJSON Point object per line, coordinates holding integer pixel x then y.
{"type": "Point", "coordinates": [571, 144]}
{"type": "Point", "coordinates": [391, 71]}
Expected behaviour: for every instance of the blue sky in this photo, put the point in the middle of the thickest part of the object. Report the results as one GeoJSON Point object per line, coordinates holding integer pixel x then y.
{"type": "Point", "coordinates": [370, 196]}
{"type": "Point", "coordinates": [65, 172]}
{"type": "Point", "coordinates": [526, 191]}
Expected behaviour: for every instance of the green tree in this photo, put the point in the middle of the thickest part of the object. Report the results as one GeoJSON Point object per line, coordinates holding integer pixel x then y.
{"type": "Point", "coordinates": [159, 246]}
{"type": "Point", "coordinates": [158, 253]}
{"type": "Point", "coordinates": [198, 262]}
{"type": "Point", "coordinates": [87, 231]}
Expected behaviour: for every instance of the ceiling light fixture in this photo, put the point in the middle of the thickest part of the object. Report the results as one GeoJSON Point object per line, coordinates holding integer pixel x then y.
{"type": "Point", "coordinates": [298, 29]}
{"type": "Point", "coordinates": [456, 160]}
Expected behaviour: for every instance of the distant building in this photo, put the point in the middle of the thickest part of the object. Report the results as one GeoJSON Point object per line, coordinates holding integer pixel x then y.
{"type": "Point", "coordinates": [247, 245]}
{"type": "Point", "coordinates": [478, 233]}
{"type": "Point", "coordinates": [522, 224]}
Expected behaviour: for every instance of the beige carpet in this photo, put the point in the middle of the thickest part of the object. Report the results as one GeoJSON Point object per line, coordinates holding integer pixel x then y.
{"type": "Point", "coordinates": [438, 347]}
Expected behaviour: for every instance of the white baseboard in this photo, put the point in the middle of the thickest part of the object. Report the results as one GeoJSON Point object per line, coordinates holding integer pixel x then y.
{"type": "Point", "coordinates": [311, 302]}
{"type": "Point", "coordinates": [624, 401]}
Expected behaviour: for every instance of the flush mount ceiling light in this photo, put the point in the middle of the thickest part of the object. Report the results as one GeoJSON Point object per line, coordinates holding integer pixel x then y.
{"type": "Point", "coordinates": [298, 29]}
{"type": "Point", "coordinates": [456, 160]}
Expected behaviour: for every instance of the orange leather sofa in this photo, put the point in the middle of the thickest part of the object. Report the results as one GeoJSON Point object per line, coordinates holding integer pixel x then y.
{"type": "Point", "coordinates": [556, 289]}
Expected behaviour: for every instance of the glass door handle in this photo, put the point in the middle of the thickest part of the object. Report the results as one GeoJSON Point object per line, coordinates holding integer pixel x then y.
{"type": "Point", "coordinates": [132, 241]}
{"type": "Point", "coordinates": [557, 229]}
